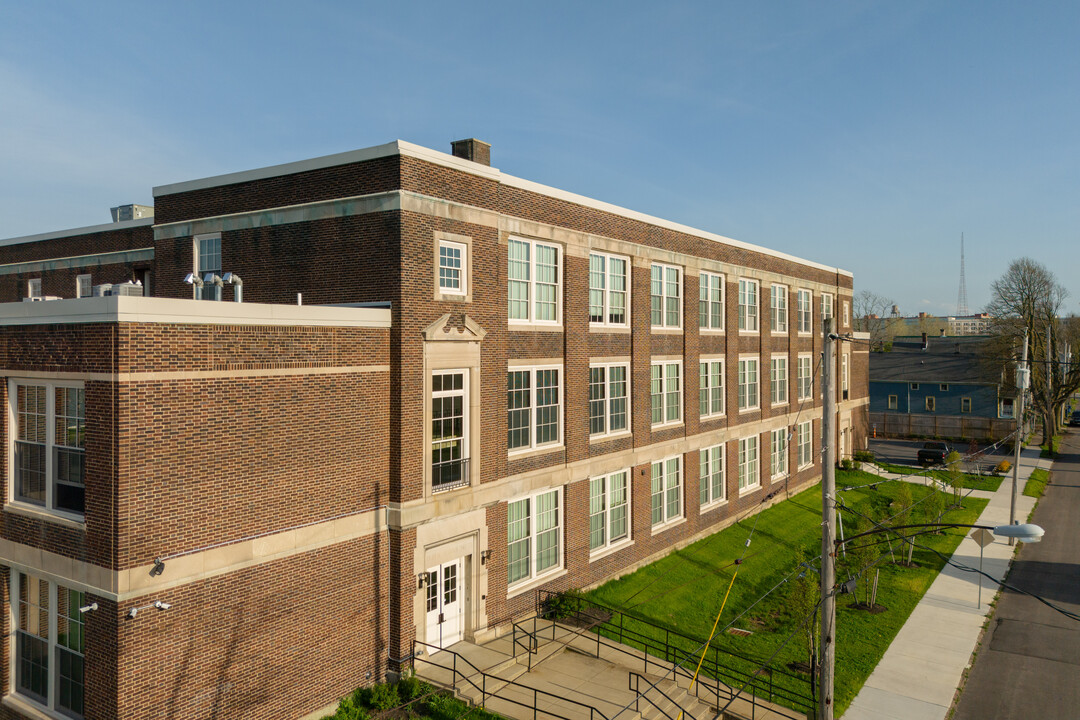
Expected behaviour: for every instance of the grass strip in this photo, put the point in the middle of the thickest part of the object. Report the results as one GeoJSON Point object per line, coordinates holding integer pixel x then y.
{"type": "Point", "coordinates": [1036, 482]}
{"type": "Point", "coordinates": [683, 591]}
{"type": "Point", "coordinates": [971, 482]}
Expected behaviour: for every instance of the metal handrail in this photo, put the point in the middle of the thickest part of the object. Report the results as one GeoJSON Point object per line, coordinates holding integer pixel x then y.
{"type": "Point", "coordinates": [485, 693]}
{"type": "Point", "coordinates": [634, 681]}
{"type": "Point", "coordinates": [671, 653]}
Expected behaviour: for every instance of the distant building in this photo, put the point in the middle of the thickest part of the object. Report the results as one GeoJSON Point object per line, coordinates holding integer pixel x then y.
{"type": "Point", "coordinates": [950, 325]}
{"type": "Point", "coordinates": [939, 387]}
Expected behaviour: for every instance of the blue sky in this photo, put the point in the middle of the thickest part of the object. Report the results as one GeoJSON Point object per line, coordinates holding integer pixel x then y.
{"type": "Point", "coordinates": [868, 135]}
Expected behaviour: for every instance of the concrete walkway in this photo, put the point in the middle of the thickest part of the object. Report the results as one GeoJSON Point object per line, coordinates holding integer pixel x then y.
{"type": "Point", "coordinates": [920, 672]}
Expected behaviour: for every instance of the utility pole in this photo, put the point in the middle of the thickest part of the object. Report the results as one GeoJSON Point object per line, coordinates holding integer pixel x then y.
{"type": "Point", "coordinates": [828, 527]}
{"type": "Point", "coordinates": [1022, 382]}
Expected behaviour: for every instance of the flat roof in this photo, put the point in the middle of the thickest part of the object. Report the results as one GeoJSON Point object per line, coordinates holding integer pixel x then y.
{"type": "Point", "coordinates": [401, 147]}
{"type": "Point", "coordinates": [129, 309]}
{"type": "Point", "coordinates": [88, 230]}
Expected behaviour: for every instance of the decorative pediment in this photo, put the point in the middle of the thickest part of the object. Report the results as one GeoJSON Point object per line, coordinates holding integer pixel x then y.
{"type": "Point", "coordinates": [443, 329]}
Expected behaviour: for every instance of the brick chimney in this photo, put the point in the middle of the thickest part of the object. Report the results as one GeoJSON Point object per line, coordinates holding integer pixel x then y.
{"type": "Point", "coordinates": [472, 149]}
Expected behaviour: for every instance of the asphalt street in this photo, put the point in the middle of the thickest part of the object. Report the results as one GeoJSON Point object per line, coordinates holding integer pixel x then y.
{"type": "Point", "coordinates": [1028, 665]}
{"type": "Point", "coordinates": [905, 452]}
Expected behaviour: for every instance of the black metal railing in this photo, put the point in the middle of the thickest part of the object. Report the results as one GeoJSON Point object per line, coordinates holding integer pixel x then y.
{"type": "Point", "coordinates": [449, 474]}
{"type": "Point", "coordinates": [490, 686]}
{"type": "Point", "coordinates": [724, 672]}
{"type": "Point", "coordinates": [528, 639]}
{"type": "Point", "coordinates": [635, 681]}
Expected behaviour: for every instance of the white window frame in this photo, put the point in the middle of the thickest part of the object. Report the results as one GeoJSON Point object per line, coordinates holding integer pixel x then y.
{"type": "Point", "coordinates": [50, 467]}
{"type": "Point", "coordinates": [749, 464]}
{"type": "Point", "coordinates": [711, 378]}
{"type": "Point", "coordinates": [711, 468]}
{"type": "Point", "coordinates": [893, 402]}
{"type": "Point", "coordinates": [535, 573]}
{"type": "Point", "coordinates": [913, 386]}
{"type": "Point", "coordinates": [803, 432]}
{"type": "Point", "coordinates": [463, 393]}
{"type": "Point", "coordinates": [606, 291]}
{"type": "Point", "coordinates": [1011, 415]}
{"type": "Point", "coordinates": [943, 387]}
{"type": "Point", "coordinates": [197, 256]}
{"type": "Point", "coordinates": [668, 475]}
{"type": "Point", "coordinates": [711, 307]}
{"type": "Point", "coordinates": [52, 701]}
{"type": "Point", "coordinates": [745, 402]}
{"type": "Point", "coordinates": [665, 297]}
{"type": "Point", "coordinates": [531, 283]}
{"type": "Point", "coordinates": [534, 410]}
{"type": "Point", "coordinates": [804, 382]}
{"type": "Point", "coordinates": [804, 311]}
{"type": "Point", "coordinates": [462, 270]}
{"type": "Point", "coordinates": [749, 312]}
{"type": "Point", "coordinates": [778, 309]}
{"type": "Point", "coordinates": [602, 506]}
{"type": "Point", "coordinates": [828, 307]}
{"type": "Point", "coordinates": [609, 399]}
{"type": "Point", "coordinates": [778, 445]}
{"type": "Point", "coordinates": [847, 313]}
{"type": "Point", "coordinates": [666, 392]}
{"type": "Point", "coordinates": [778, 380]}
{"type": "Point", "coordinates": [33, 288]}
{"type": "Point", "coordinates": [84, 285]}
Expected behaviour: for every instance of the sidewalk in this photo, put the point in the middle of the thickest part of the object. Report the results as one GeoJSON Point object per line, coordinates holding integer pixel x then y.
{"type": "Point", "coordinates": [920, 672]}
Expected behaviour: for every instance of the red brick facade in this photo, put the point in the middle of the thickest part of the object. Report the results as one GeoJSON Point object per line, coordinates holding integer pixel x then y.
{"type": "Point", "coordinates": [262, 460]}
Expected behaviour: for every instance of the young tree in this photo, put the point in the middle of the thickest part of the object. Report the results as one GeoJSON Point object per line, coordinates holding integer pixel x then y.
{"type": "Point", "coordinates": [902, 511]}
{"type": "Point", "coordinates": [1028, 299]}
{"type": "Point", "coordinates": [804, 599]}
{"type": "Point", "coordinates": [955, 474]}
{"type": "Point", "coordinates": [861, 554]}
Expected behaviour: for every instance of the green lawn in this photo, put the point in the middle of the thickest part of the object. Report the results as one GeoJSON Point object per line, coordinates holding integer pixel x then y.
{"type": "Point", "coordinates": [1036, 483]}
{"type": "Point", "coordinates": [684, 590]}
{"type": "Point", "coordinates": [1050, 449]}
{"type": "Point", "coordinates": [971, 482]}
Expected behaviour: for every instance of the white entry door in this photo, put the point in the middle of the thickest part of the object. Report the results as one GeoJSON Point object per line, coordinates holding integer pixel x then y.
{"type": "Point", "coordinates": [444, 604]}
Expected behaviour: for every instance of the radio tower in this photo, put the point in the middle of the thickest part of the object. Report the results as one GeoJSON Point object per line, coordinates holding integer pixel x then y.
{"type": "Point", "coordinates": [961, 298]}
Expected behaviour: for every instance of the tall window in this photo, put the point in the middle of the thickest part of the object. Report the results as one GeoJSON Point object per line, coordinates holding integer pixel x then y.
{"type": "Point", "coordinates": [748, 305]}
{"type": "Point", "coordinates": [665, 390]}
{"type": "Point", "coordinates": [965, 405]}
{"type": "Point", "coordinates": [83, 286]}
{"type": "Point", "coordinates": [534, 536]}
{"type": "Point", "coordinates": [609, 399]}
{"type": "Point", "coordinates": [452, 264]}
{"type": "Point", "coordinates": [893, 402]}
{"type": "Point", "coordinates": [666, 491]}
{"type": "Point", "coordinates": [711, 388]}
{"type": "Point", "coordinates": [207, 260]}
{"type": "Point", "coordinates": [748, 383]}
{"type": "Point", "coordinates": [931, 403]}
{"type": "Point", "coordinates": [778, 379]}
{"type": "Point", "coordinates": [49, 645]}
{"type": "Point", "coordinates": [609, 509]}
{"type": "Point", "coordinates": [608, 288]}
{"type": "Point", "coordinates": [779, 452]}
{"type": "Point", "coordinates": [804, 378]}
{"type": "Point", "coordinates": [711, 301]}
{"type": "Point", "coordinates": [779, 309]}
{"type": "Point", "coordinates": [33, 288]}
{"type": "Point", "coordinates": [805, 455]}
{"type": "Point", "coordinates": [534, 408]}
{"type": "Point", "coordinates": [827, 306]}
{"type": "Point", "coordinates": [748, 463]}
{"type": "Point", "coordinates": [665, 296]}
{"type": "Point", "coordinates": [711, 461]}
{"type": "Point", "coordinates": [844, 376]}
{"type": "Point", "coordinates": [805, 311]}
{"type": "Point", "coordinates": [50, 446]}
{"type": "Point", "coordinates": [534, 286]}
{"type": "Point", "coordinates": [449, 446]}
{"type": "Point", "coordinates": [847, 313]}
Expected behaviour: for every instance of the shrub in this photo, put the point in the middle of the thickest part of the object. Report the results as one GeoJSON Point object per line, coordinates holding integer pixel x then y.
{"type": "Point", "coordinates": [383, 697]}
{"type": "Point", "coordinates": [863, 456]}
{"type": "Point", "coordinates": [563, 605]}
{"type": "Point", "coordinates": [1003, 467]}
{"type": "Point", "coordinates": [846, 464]}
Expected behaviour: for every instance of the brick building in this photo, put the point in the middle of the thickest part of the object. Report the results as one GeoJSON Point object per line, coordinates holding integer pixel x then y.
{"type": "Point", "coordinates": [244, 510]}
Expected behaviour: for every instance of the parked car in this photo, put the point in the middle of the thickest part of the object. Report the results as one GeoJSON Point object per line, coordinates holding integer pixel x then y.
{"type": "Point", "coordinates": [1074, 419]}
{"type": "Point", "coordinates": [934, 453]}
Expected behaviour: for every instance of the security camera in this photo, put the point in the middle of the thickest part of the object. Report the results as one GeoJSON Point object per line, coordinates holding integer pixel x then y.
{"type": "Point", "coordinates": [162, 605]}
{"type": "Point", "coordinates": [88, 608]}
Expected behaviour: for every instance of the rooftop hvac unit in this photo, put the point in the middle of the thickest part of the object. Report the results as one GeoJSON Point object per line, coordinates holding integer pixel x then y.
{"type": "Point", "coordinates": [103, 290]}
{"type": "Point", "coordinates": [42, 298]}
{"type": "Point", "coordinates": [128, 288]}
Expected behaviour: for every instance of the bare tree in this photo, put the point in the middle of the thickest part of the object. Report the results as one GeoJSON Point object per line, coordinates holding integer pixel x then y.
{"type": "Point", "coordinates": [872, 315]}
{"type": "Point", "coordinates": [1028, 298]}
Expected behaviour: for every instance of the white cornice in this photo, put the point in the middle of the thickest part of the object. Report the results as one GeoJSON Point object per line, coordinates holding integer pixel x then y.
{"type": "Point", "coordinates": [89, 229]}
{"type": "Point", "coordinates": [125, 309]}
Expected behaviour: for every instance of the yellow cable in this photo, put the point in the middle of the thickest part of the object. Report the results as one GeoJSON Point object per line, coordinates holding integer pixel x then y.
{"type": "Point", "coordinates": [711, 634]}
